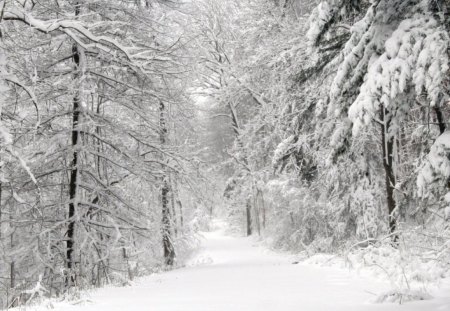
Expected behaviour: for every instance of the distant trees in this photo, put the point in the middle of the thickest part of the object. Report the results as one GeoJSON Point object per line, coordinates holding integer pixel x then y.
{"type": "Point", "coordinates": [222, 78]}
{"type": "Point", "coordinates": [339, 111]}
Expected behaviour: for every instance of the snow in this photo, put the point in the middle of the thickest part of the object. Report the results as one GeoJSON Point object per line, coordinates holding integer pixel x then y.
{"type": "Point", "coordinates": [69, 27]}
{"type": "Point", "coordinates": [436, 166]}
{"type": "Point", "coordinates": [354, 57]}
{"type": "Point", "coordinates": [394, 61]}
{"type": "Point", "coordinates": [319, 18]}
{"type": "Point", "coordinates": [233, 273]}
{"type": "Point", "coordinates": [282, 149]}
{"type": "Point", "coordinates": [415, 54]}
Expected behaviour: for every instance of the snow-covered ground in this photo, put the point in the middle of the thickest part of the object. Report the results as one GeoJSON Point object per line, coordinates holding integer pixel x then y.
{"type": "Point", "coordinates": [230, 273]}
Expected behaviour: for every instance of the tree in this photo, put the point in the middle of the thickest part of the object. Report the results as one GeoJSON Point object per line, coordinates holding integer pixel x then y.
{"type": "Point", "coordinates": [395, 58]}
{"type": "Point", "coordinates": [169, 251]}
{"type": "Point", "coordinates": [81, 120]}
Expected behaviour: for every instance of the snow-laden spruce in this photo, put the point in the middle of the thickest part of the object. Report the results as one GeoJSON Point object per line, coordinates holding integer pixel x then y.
{"type": "Point", "coordinates": [391, 55]}
{"type": "Point", "coordinates": [415, 57]}
{"type": "Point", "coordinates": [394, 62]}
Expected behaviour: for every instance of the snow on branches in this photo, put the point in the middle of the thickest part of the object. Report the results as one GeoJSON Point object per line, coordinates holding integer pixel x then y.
{"type": "Point", "coordinates": [436, 166]}
{"type": "Point", "coordinates": [318, 20]}
{"type": "Point", "coordinates": [415, 56]}
{"type": "Point", "coordinates": [397, 49]}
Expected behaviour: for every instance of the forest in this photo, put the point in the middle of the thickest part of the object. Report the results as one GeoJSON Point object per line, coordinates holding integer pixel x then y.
{"type": "Point", "coordinates": [313, 129]}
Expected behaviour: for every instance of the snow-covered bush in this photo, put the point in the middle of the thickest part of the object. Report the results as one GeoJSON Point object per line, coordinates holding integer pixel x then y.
{"type": "Point", "coordinates": [295, 219]}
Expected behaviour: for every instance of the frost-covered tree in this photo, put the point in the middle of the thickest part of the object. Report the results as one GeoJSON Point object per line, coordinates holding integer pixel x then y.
{"type": "Point", "coordinates": [82, 158]}
{"type": "Point", "coordinates": [393, 64]}
{"type": "Point", "coordinates": [342, 117]}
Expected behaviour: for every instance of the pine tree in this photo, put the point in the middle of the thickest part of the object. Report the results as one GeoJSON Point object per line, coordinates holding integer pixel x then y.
{"type": "Point", "coordinates": [396, 58]}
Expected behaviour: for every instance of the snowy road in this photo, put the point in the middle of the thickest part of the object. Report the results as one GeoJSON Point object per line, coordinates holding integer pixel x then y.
{"type": "Point", "coordinates": [229, 274]}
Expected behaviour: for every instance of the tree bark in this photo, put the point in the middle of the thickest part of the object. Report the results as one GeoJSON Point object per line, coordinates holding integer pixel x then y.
{"type": "Point", "coordinates": [263, 203]}
{"type": "Point", "coordinates": [73, 182]}
{"type": "Point", "coordinates": [174, 212]}
{"type": "Point", "coordinates": [169, 254]}
{"type": "Point", "coordinates": [440, 119]}
{"type": "Point", "coordinates": [12, 266]}
{"type": "Point", "coordinates": [180, 208]}
{"type": "Point", "coordinates": [256, 208]}
{"type": "Point", "coordinates": [168, 249]}
{"type": "Point", "coordinates": [388, 157]}
{"type": "Point", "coordinates": [249, 218]}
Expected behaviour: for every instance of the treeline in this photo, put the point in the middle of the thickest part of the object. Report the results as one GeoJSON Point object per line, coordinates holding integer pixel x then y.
{"type": "Point", "coordinates": [96, 174]}
{"type": "Point", "coordinates": [339, 112]}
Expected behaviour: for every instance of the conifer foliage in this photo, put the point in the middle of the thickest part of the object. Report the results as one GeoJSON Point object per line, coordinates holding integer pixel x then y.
{"type": "Point", "coordinates": [343, 110]}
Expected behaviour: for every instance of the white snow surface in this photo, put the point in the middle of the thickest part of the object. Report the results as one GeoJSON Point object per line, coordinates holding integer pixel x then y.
{"type": "Point", "coordinates": [232, 273]}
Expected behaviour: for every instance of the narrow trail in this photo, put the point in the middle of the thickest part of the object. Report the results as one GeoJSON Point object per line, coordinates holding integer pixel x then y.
{"type": "Point", "coordinates": [230, 274]}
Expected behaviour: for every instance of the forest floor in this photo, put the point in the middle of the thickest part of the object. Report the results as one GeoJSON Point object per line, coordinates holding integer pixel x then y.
{"type": "Point", "coordinates": [232, 273]}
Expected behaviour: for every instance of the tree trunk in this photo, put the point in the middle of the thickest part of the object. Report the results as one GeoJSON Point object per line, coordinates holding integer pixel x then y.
{"type": "Point", "coordinates": [256, 208]}
{"type": "Point", "coordinates": [180, 208]}
{"type": "Point", "coordinates": [127, 262]}
{"type": "Point", "coordinates": [388, 147]}
{"type": "Point", "coordinates": [440, 119]}
{"type": "Point", "coordinates": [249, 218]}
{"type": "Point", "coordinates": [12, 267]}
{"type": "Point", "coordinates": [169, 252]}
{"type": "Point", "coordinates": [174, 212]}
{"type": "Point", "coordinates": [73, 182]}
{"type": "Point", "coordinates": [263, 205]}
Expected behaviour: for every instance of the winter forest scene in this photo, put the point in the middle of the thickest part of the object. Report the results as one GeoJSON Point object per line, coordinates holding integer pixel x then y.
{"type": "Point", "coordinates": [225, 155]}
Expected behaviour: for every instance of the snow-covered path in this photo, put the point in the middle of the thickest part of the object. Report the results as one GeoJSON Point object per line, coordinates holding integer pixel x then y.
{"type": "Point", "coordinates": [230, 274]}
